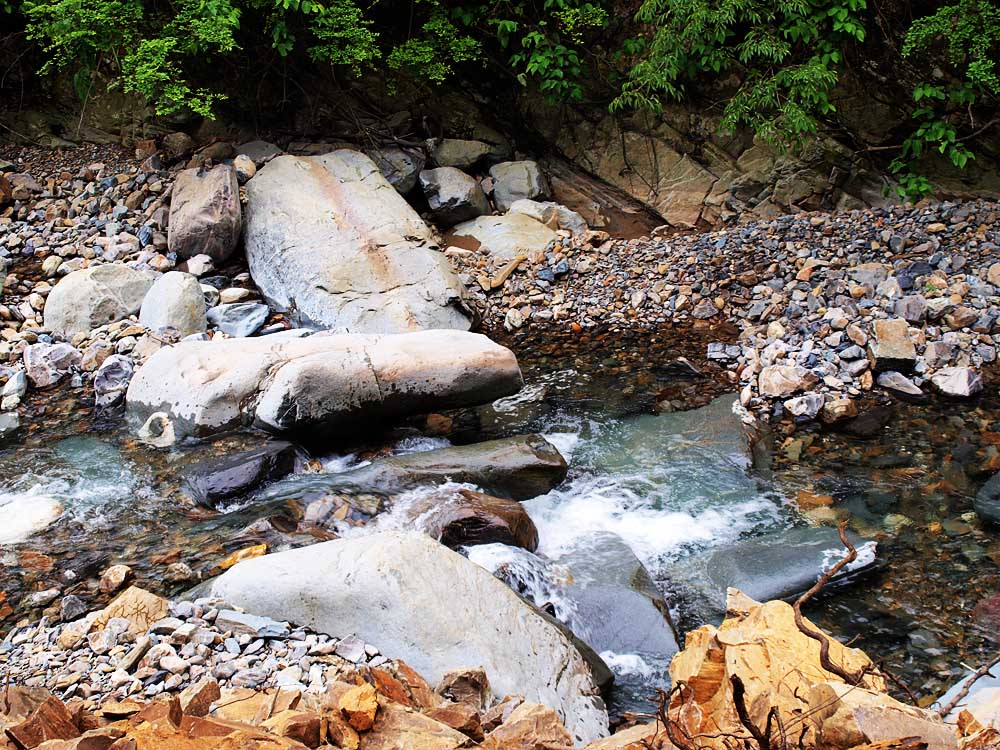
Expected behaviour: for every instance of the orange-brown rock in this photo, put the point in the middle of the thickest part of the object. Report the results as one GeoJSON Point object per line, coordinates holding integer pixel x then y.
{"type": "Point", "coordinates": [340, 733]}
{"type": "Point", "coordinates": [422, 695]}
{"type": "Point", "coordinates": [460, 716]}
{"type": "Point", "coordinates": [50, 720]}
{"type": "Point", "coordinates": [140, 607]}
{"type": "Point", "coordinates": [159, 737]}
{"type": "Point", "coordinates": [254, 707]}
{"type": "Point", "coordinates": [400, 728]}
{"type": "Point", "coordinates": [95, 739]}
{"type": "Point", "coordinates": [210, 726]}
{"type": "Point", "coordinates": [777, 663]}
{"type": "Point", "coordinates": [165, 712]}
{"type": "Point", "coordinates": [390, 687]}
{"type": "Point", "coordinates": [301, 726]}
{"type": "Point", "coordinates": [501, 711]}
{"type": "Point", "coordinates": [639, 737]}
{"type": "Point", "coordinates": [359, 705]}
{"type": "Point", "coordinates": [530, 726]}
{"type": "Point", "coordinates": [467, 685]}
{"type": "Point", "coordinates": [114, 710]}
{"type": "Point", "coordinates": [197, 699]}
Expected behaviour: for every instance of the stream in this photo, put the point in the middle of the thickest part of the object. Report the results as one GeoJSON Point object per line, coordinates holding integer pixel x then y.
{"type": "Point", "coordinates": [663, 506]}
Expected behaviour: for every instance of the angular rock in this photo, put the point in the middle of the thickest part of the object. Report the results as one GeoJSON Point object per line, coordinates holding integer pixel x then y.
{"type": "Point", "coordinates": [912, 309]}
{"type": "Point", "coordinates": [95, 296]}
{"type": "Point", "coordinates": [461, 717]}
{"type": "Point", "coordinates": [777, 664]}
{"type": "Point", "coordinates": [552, 215]}
{"type": "Point", "coordinates": [530, 726]}
{"type": "Point", "coordinates": [205, 213]}
{"type": "Point", "coordinates": [892, 347]}
{"type": "Point", "coordinates": [504, 237]}
{"type": "Point", "coordinates": [9, 423]}
{"type": "Point", "coordinates": [520, 468]}
{"type": "Point", "coordinates": [140, 607]}
{"type": "Point", "coordinates": [901, 385]}
{"type": "Point", "coordinates": [287, 382]}
{"type": "Point", "coordinates": [779, 381]}
{"type": "Point", "coordinates": [957, 382]}
{"type": "Point", "coordinates": [387, 588]}
{"type": "Point", "coordinates": [239, 319]}
{"type": "Point", "coordinates": [987, 501]}
{"type": "Point", "coordinates": [174, 301]}
{"type": "Point", "coordinates": [332, 243]}
{"type": "Point", "coordinates": [514, 180]}
{"type": "Point", "coordinates": [399, 165]}
{"type": "Point", "coordinates": [847, 716]}
{"type": "Point", "coordinates": [807, 406]}
{"type": "Point", "coordinates": [50, 721]}
{"type": "Point", "coordinates": [260, 152]}
{"type": "Point", "coordinates": [453, 195]}
{"type": "Point", "coordinates": [47, 364]}
{"type": "Point", "coordinates": [359, 706]}
{"type": "Point", "coordinates": [469, 685]}
{"type": "Point", "coordinates": [217, 479]}
{"type": "Point", "coordinates": [111, 380]}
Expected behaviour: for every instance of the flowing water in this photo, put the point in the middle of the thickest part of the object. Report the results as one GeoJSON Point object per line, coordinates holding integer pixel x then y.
{"type": "Point", "coordinates": [661, 509]}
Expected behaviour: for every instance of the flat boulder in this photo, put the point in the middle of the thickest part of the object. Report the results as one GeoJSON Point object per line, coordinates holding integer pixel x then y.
{"type": "Point", "coordinates": [321, 383]}
{"type": "Point", "coordinates": [92, 297]}
{"type": "Point", "coordinates": [504, 237]}
{"type": "Point", "coordinates": [520, 468]}
{"type": "Point", "coordinates": [205, 213]}
{"type": "Point", "coordinates": [331, 242]}
{"type": "Point", "coordinates": [388, 589]}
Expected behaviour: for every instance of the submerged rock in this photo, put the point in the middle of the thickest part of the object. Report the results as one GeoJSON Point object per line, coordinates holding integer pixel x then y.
{"type": "Point", "coordinates": [22, 515]}
{"type": "Point", "coordinates": [217, 479]}
{"type": "Point", "coordinates": [332, 243]}
{"type": "Point", "coordinates": [388, 589]}
{"type": "Point", "coordinates": [289, 382]}
{"type": "Point", "coordinates": [987, 501]}
{"type": "Point", "coordinates": [779, 565]}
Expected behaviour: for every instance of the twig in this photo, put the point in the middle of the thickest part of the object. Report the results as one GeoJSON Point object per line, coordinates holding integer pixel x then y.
{"type": "Point", "coordinates": [851, 678]}
{"type": "Point", "coordinates": [739, 701]}
{"type": "Point", "coordinates": [964, 692]}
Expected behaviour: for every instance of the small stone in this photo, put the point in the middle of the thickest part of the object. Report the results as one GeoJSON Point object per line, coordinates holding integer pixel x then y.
{"type": "Point", "coordinates": [114, 578]}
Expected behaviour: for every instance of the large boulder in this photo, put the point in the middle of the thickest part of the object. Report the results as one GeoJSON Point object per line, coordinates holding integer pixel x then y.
{"type": "Point", "coordinates": [453, 195]}
{"type": "Point", "coordinates": [174, 301]}
{"type": "Point", "coordinates": [290, 382]}
{"type": "Point", "coordinates": [399, 165]}
{"type": "Point", "coordinates": [92, 297]}
{"type": "Point", "coordinates": [215, 480]}
{"type": "Point", "coordinates": [504, 237]}
{"type": "Point", "coordinates": [333, 244]}
{"type": "Point", "coordinates": [205, 214]}
{"type": "Point", "coordinates": [514, 180]}
{"type": "Point", "coordinates": [388, 589]}
{"type": "Point", "coordinates": [520, 468]}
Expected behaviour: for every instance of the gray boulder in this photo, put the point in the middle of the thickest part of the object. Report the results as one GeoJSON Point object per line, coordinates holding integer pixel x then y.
{"type": "Point", "coordinates": [453, 195]}
{"type": "Point", "coordinates": [260, 152]}
{"type": "Point", "coordinates": [205, 213]}
{"type": "Point", "coordinates": [92, 297]}
{"type": "Point", "coordinates": [289, 382]}
{"type": "Point", "coordinates": [333, 244]}
{"type": "Point", "coordinates": [520, 468]}
{"type": "Point", "coordinates": [514, 180]}
{"type": "Point", "coordinates": [9, 423]}
{"type": "Point", "coordinates": [400, 166]}
{"type": "Point", "coordinates": [505, 237]}
{"type": "Point", "coordinates": [215, 480]}
{"type": "Point", "coordinates": [174, 301]}
{"type": "Point", "coordinates": [238, 319]}
{"type": "Point", "coordinates": [388, 589]}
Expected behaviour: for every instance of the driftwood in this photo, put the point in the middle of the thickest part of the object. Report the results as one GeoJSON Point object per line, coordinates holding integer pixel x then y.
{"type": "Point", "coordinates": [964, 692]}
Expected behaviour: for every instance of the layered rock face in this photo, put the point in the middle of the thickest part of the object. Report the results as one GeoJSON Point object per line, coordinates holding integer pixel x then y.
{"type": "Point", "coordinates": [388, 588]}
{"type": "Point", "coordinates": [332, 243]}
{"type": "Point", "coordinates": [292, 382]}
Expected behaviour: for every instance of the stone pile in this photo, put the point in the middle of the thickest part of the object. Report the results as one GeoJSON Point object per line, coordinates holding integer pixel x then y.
{"type": "Point", "coordinates": [145, 673]}
{"type": "Point", "coordinates": [828, 308]}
